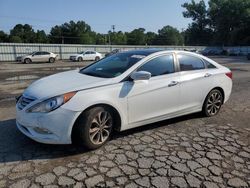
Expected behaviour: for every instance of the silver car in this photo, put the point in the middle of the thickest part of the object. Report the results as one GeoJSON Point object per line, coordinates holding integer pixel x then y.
{"type": "Point", "coordinates": [40, 56]}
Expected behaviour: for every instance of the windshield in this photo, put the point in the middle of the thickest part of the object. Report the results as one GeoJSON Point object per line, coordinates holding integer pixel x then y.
{"type": "Point", "coordinates": [81, 52]}
{"type": "Point", "coordinates": [112, 66]}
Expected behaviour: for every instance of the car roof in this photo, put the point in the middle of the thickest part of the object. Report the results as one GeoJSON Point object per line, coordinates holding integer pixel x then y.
{"type": "Point", "coordinates": [144, 52]}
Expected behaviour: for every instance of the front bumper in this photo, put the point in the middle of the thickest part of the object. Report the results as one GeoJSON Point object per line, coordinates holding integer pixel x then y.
{"type": "Point", "coordinates": [50, 128]}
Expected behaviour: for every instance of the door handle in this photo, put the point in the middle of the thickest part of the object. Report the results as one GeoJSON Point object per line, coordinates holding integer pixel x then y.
{"type": "Point", "coordinates": [207, 75]}
{"type": "Point", "coordinates": [173, 83]}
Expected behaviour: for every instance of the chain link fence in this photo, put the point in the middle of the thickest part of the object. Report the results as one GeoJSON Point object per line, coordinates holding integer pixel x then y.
{"type": "Point", "coordinates": [10, 51]}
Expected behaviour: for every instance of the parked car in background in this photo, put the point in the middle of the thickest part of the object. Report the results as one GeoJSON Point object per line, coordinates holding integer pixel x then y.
{"type": "Point", "coordinates": [86, 56]}
{"type": "Point", "coordinates": [40, 56]}
{"type": "Point", "coordinates": [234, 52]}
{"type": "Point", "coordinates": [123, 91]}
{"type": "Point", "coordinates": [212, 51]}
{"type": "Point", "coordinates": [248, 56]}
{"type": "Point", "coordinates": [113, 52]}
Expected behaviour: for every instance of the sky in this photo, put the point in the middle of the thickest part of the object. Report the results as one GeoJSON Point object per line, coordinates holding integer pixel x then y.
{"type": "Point", "coordinates": [126, 15]}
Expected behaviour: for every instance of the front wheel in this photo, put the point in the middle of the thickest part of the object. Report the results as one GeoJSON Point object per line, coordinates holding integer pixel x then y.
{"type": "Point", "coordinates": [79, 59]}
{"type": "Point", "coordinates": [213, 103]}
{"type": "Point", "coordinates": [27, 61]}
{"type": "Point", "coordinates": [93, 128]}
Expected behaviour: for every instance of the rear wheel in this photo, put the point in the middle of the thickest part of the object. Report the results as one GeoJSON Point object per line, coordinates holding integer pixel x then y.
{"type": "Point", "coordinates": [213, 103]}
{"type": "Point", "coordinates": [97, 58]}
{"type": "Point", "coordinates": [79, 59]}
{"type": "Point", "coordinates": [27, 61]}
{"type": "Point", "coordinates": [93, 127]}
{"type": "Point", "coordinates": [51, 60]}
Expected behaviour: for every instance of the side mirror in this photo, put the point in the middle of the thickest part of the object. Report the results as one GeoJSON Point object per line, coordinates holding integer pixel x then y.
{"type": "Point", "coordinates": [141, 75]}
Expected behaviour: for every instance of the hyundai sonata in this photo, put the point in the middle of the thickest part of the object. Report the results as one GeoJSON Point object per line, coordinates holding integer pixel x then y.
{"type": "Point", "coordinates": [123, 91]}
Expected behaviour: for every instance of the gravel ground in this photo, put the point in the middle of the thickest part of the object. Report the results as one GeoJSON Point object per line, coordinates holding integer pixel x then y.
{"type": "Point", "coordinates": [190, 151]}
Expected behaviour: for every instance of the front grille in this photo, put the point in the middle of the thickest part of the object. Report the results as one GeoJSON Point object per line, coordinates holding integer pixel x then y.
{"type": "Point", "coordinates": [24, 101]}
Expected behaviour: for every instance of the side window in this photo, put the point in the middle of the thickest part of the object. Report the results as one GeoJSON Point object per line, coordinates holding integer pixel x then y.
{"type": "Point", "coordinates": [87, 52]}
{"type": "Point", "coordinates": [188, 62]}
{"type": "Point", "coordinates": [159, 65]}
{"type": "Point", "coordinates": [92, 52]}
{"type": "Point", "coordinates": [209, 65]}
{"type": "Point", "coordinates": [37, 53]}
{"type": "Point", "coordinates": [46, 53]}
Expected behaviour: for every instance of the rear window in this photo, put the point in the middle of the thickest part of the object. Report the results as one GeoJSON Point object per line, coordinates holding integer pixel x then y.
{"type": "Point", "coordinates": [189, 63]}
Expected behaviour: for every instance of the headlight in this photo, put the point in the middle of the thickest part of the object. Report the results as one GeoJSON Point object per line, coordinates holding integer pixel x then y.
{"type": "Point", "coordinates": [52, 103]}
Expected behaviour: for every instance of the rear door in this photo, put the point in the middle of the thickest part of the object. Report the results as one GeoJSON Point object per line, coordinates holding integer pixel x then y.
{"type": "Point", "coordinates": [195, 81]}
{"type": "Point", "coordinates": [45, 56]}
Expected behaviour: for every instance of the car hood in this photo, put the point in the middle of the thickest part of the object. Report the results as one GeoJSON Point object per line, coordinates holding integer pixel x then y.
{"type": "Point", "coordinates": [64, 82]}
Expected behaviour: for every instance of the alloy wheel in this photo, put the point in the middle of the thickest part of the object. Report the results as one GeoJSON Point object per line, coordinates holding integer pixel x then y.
{"type": "Point", "coordinates": [214, 103]}
{"type": "Point", "coordinates": [100, 128]}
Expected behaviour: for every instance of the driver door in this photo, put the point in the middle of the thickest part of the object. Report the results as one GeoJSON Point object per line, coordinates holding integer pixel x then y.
{"type": "Point", "coordinates": [158, 97]}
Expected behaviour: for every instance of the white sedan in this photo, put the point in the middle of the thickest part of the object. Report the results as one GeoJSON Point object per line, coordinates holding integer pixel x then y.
{"type": "Point", "coordinates": [86, 56]}
{"type": "Point", "coordinates": [120, 92]}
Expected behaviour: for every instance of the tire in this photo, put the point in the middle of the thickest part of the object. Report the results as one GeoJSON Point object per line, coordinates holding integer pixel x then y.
{"type": "Point", "coordinates": [97, 58]}
{"type": "Point", "coordinates": [213, 103]}
{"type": "Point", "coordinates": [90, 131]}
{"type": "Point", "coordinates": [51, 60]}
{"type": "Point", "coordinates": [79, 59]}
{"type": "Point", "coordinates": [27, 61]}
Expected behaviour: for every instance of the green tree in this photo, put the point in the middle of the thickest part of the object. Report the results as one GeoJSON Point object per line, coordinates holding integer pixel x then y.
{"type": "Point", "coordinates": [118, 38]}
{"type": "Point", "coordinates": [198, 32]}
{"type": "Point", "coordinates": [41, 37]}
{"type": "Point", "coordinates": [24, 32]}
{"type": "Point", "coordinates": [136, 37]}
{"type": "Point", "coordinates": [15, 39]}
{"type": "Point", "coordinates": [150, 38]}
{"type": "Point", "coordinates": [100, 38]}
{"type": "Point", "coordinates": [4, 37]}
{"type": "Point", "coordinates": [169, 36]}
{"type": "Point", "coordinates": [72, 32]}
{"type": "Point", "coordinates": [230, 20]}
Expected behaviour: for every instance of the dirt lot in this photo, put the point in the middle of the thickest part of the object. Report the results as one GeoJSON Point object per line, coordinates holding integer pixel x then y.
{"type": "Point", "coordinates": [190, 151]}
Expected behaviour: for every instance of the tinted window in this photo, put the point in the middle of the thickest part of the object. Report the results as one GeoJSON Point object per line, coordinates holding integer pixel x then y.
{"type": "Point", "coordinates": [87, 52]}
{"type": "Point", "coordinates": [46, 53]}
{"type": "Point", "coordinates": [37, 53]}
{"type": "Point", "coordinates": [190, 63]}
{"type": "Point", "coordinates": [209, 65]}
{"type": "Point", "coordinates": [159, 66]}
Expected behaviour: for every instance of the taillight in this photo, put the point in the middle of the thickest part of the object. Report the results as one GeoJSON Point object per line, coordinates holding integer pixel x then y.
{"type": "Point", "coordinates": [229, 74]}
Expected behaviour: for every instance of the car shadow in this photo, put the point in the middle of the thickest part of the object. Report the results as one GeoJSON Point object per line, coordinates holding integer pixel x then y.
{"type": "Point", "coordinates": [14, 146]}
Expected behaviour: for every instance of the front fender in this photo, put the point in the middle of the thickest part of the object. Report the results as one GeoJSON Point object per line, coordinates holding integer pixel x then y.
{"type": "Point", "coordinates": [109, 95]}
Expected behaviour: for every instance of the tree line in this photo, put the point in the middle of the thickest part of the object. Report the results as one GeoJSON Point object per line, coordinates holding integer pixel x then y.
{"type": "Point", "coordinates": [222, 22]}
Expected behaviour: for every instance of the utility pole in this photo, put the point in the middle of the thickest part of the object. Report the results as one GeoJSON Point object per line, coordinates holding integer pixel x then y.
{"type": "Point", "coordinates": [113, 28]}
{"type": "Point", "coordinates": [62, 40]}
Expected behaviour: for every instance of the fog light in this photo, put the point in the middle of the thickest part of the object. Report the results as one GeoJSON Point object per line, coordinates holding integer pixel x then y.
{"type": "Point", "coordinates": [42, 130]}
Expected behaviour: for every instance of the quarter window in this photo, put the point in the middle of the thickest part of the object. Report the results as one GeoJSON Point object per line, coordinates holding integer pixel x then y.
{"type": "Point", "coordinates": [188, 63]}
{"type": "Point", "coordinates": [209, 65]}
{"type": "Point", "coordinates": [159, 66]}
